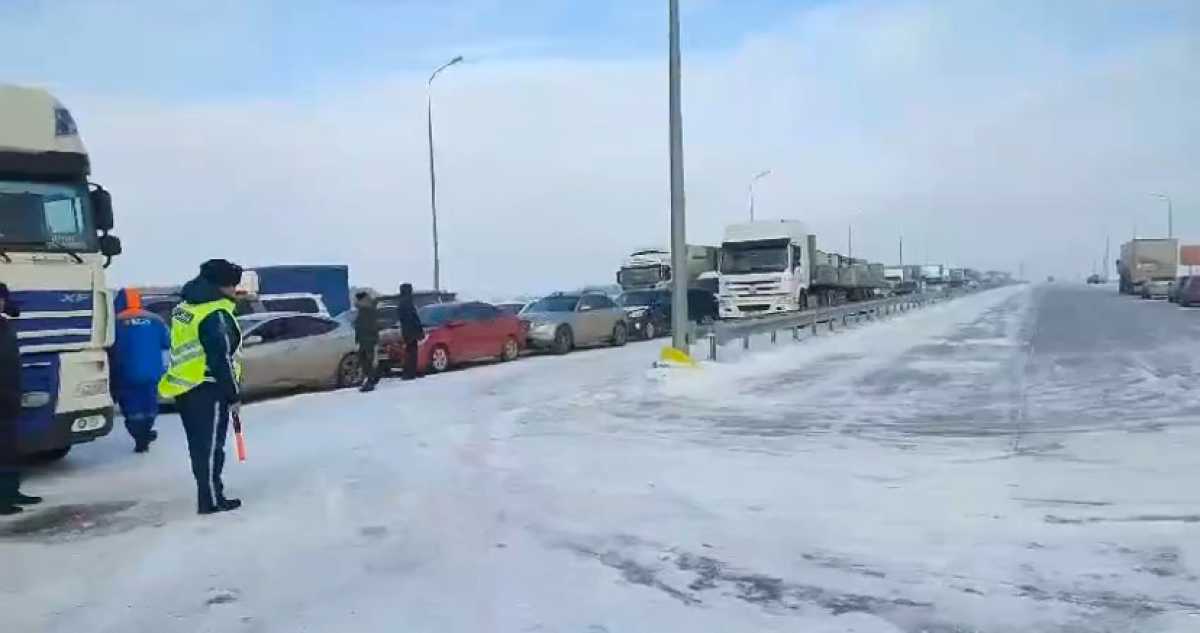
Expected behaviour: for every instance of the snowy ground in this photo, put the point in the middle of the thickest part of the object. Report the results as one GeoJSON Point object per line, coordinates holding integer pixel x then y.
{"type": "Point", "coordinates": [1018, 460]}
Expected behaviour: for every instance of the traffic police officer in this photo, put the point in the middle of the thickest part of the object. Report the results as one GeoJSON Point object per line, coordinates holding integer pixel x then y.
{"type": "Point", "coordinates": [204, 374]}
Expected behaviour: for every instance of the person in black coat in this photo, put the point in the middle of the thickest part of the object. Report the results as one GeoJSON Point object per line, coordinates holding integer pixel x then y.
{"type": "Point", "coordinates": [411, 329]}
{"type": "Point", "coordinates": [366, 336]}
{"type": "Point", "coordinates": [11, 498]}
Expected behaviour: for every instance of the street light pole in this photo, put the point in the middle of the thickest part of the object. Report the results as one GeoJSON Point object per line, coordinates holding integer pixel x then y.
{"type": "Point", "coordinates": [760, 175]}
{"type": "Point", "coordinates": [1170, 214]}
{"type": "Point", "coordinates": [679, 315]}
{"type": "Point", "coordinates": [437, 263]}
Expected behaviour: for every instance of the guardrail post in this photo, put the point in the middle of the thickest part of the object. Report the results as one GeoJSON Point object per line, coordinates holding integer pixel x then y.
{"type": "Point", "coordinates": [830, 325]}
{"type": "Point", "coordinates": [745, 342]}
{"type": "Point", "coordinates": [772, 336]}
{"type": "Point", "coordinates": [795, 334]}
{"type": "Point", "coordinates": [712, 347]}
{"type": "Point", "coordinates": [814, 327]}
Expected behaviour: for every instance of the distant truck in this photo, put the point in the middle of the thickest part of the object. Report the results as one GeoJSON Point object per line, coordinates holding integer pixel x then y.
{"type": "Point", "coordinates": [650, 268]}
{"type": "Point", "coordinates": [54, 248]}
{"type": "Point", "coordinates": [769, 267]}
{"type": "Point", "coordinates": [291, 284]}
{"type": "Point", "coordinates": [1146, 260]}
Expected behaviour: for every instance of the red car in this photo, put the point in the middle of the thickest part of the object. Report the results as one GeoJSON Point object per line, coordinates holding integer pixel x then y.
{"type": "Point", "coordinates": [459, 332]}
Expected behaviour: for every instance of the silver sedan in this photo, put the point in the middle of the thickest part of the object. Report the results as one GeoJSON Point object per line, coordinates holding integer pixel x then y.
{"type": "Point", "coordinates": [562, 321]}
{"type": "Point", "coordinates": [283, 351]}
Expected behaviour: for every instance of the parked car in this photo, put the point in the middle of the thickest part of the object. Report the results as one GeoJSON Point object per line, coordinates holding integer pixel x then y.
{"type": "Point", "coordinates": [459, 332]}
{"type": "Point", "coordinates": [1156, 289]}
{"type": "Point", "coordinates": [563, 321]}
{"type": "Point", "coordinates": [289, 350]}
{"type": "Point", "coordinates": [1094, 279]}
{"type": "Point", "coordinates": [1189, 291]}
{"type": "Point", "coordinates": [648, 312]}
{"type": "Point", "coordinates": [1176, 286]}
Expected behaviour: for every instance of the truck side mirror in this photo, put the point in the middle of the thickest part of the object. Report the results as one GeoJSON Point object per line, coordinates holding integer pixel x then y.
{"type": "Point", "coordinates": [102, 208]}
{"type": "Point", "coordinates": [110, 246]}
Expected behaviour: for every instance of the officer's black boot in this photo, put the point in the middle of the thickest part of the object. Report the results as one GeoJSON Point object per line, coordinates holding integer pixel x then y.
{"type": "Point", "coordinates": [8, 493]}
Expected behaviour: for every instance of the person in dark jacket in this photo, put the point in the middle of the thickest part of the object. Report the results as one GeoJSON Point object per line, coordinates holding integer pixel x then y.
{"type": "Point", "coordinates": [11, 498]}
{"type": "Point", "coordinates": [204, 373]}
{"type": "Point", "coordinates": [411, 329]}
{"type": "Point", "coordinates": [366, 336]}
{"type": "Point", "coordinates": [137, 366]}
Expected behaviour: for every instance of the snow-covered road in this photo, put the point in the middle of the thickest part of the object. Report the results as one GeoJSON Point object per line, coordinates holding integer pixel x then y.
{"type": "Point", "coordinates": [1023, 459]}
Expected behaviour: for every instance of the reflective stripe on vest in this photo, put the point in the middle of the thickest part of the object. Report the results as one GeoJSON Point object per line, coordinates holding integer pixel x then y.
{"type": "Point", "coordinates": [189, 363]}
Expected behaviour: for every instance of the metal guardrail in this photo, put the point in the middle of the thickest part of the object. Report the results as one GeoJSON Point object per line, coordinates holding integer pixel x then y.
{"type": "Point", "coordinates": [723, 332]}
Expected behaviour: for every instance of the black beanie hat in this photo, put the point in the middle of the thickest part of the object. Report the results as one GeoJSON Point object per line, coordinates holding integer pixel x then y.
{"type": "Point", "coordinates": [221, 273]}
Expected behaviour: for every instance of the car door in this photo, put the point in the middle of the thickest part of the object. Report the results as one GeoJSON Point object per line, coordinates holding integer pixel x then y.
{"type": "Point", "coordinates": [262, 350]}
{"type": "Point", "coordinates": [490, 328]}
{"type": "Point", "coordinates": [592, 319]}
{"type": "Point", "coordinates": [313, 354]}
{"type": "Point", "coordinates": [608, 314]}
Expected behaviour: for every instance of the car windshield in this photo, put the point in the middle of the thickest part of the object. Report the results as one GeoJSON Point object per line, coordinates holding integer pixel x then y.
{"type": "Point", "coordinates": [437, 314]}
{"type": "Point", "coordinates": [754, 257]}
{"type": "Point", "coordinates": [639, 298]}
{"type": "Point", "coordinates": [564, 303]}
{"type": "Point", "coordinates": [45, 217]}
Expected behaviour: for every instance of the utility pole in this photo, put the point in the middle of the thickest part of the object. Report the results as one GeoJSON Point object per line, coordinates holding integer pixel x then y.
{"type": "Point", "coordinates": [902, 251]}
{"type": "Point", "coordinates": [1104, 274]}
{"type": "Point", "coordinates": [437, 262]}
{"type": "Point", "coordinates": [760, 175]}
{"type": "Point", "coordinates": [1170, 214]}
{"type": "Point", "coordinates": [679, 315]}
{"type": "Point", "coordinates": [850, 242]}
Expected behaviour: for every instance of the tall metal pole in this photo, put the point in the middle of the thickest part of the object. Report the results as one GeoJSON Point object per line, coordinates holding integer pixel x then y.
{"type": "Point", "coordinates": [1170, 214]}
{"type": "Point", "coordinates": [902, 253]}
{"type": "Point", "coordinates": [679, 315]}
{"type": "Point", "coordinates": [437, 263]}
{"type": "Point", "coordinates": [760, 175]}
{"type": "Point", "coordinates": [850, 242]}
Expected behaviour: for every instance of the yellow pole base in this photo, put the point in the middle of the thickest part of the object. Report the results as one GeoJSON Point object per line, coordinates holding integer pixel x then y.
{"type": "Point", "coordinates": [673, 357]}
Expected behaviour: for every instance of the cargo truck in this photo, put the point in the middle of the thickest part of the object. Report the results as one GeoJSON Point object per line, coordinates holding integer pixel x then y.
{"type": "Point", "coordinates": [1144, 261]}
{"type": "Point", "coordinates": [650, 268]}
{"type": "Point", "coordinates": [769, 267]}
{"type": "Point", "coordinates": [54, 248]}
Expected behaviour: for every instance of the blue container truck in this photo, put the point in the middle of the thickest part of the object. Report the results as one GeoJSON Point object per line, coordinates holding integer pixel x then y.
{"type": "Point", "coordinates": [332, 282]}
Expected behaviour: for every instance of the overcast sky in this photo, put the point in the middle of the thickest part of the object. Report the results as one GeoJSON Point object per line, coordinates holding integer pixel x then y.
{"type": "Point", "coordinates": [293, 131]}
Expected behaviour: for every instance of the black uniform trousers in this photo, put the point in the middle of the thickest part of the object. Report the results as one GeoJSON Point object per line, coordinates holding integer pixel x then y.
{"type": "Point", "coordinates": [410, 360]}
{"type": "Point", "coordinates": [206, 421]}
{"type": "Point", "coordinates": [366, 360]}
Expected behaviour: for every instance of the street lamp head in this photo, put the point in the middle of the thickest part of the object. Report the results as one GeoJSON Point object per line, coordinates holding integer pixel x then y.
{"type": "Point", "coordinates": [456, 60]}
{"type": "Point", "coordinates": [762, 174]}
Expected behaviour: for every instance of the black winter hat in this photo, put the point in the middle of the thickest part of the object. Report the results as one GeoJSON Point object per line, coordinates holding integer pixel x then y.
{"type": "Point", "coordinates": [221, 272]}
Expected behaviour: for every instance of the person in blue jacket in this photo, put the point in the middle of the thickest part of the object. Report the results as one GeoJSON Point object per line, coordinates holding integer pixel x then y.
{"type": "Point", "coordinates": [137, 366]}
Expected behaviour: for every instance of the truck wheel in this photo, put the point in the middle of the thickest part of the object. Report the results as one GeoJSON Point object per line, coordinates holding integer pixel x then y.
{"type": "Point", "coordinates": [564, 340]}
{"type": "Point", "coordinates": [620, 335]}
{"type": "Point", "coordinates": [511, 350]}
{"type": "Point", "coordinates": [349, 372]}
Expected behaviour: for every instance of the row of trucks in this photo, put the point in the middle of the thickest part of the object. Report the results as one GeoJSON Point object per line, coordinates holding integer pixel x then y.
{"type": "Point", "coordinates": [764, 267]}
{"type": "Point", "coordinates": [1146, 264]}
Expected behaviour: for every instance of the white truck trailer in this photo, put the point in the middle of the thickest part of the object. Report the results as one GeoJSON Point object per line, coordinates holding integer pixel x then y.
{"type": "Point", "coordinates": [769, 267]}
{"type": "Point", "coordinates": [650, 268]}
{"type": "Point", "coordinates": [54, 247]}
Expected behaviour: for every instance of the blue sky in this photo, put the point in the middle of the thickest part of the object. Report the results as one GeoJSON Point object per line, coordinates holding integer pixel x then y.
{"type": "Point", "coordinates": [180, 49]}
{"type": "Point", "coordinates": [986, 133]}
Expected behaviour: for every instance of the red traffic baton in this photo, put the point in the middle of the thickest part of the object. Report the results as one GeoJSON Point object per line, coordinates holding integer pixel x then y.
{"type": "Point", "coordinates": [239, 440]}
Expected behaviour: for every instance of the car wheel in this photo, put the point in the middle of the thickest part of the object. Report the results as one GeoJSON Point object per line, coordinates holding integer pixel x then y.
{"type": "Point", "coordinates": [439, 359]}
{"type": "Point", "coordinates": [649, 331]}
{"type": "Point", "coordinates": [349, 372]}
{"type": "Point", "coordinates": [620, 335]}
{"type": "Point", "coordinates": [511, 350]}
{"type": "Point", "coordinates": [564, 340]}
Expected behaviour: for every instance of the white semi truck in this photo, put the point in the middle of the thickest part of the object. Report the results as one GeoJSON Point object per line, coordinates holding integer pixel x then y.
{"type": "Point", "coordinates": [769, 267]}
{"type": "Point", "coordinates": [650, 268]}
{"type": "Point", "coordinates": [54, 247]}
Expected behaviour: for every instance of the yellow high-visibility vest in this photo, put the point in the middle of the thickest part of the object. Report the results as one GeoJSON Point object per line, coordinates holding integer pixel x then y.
{"type": "Point", "coordinates": [188, 360]}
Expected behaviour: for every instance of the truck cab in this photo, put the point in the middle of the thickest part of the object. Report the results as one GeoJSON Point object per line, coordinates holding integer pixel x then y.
{"type": "Point", "coordinates": [54, 248]}
{"type": "Point", "coordinates": [650, 268]}
{"type": "Point", "coordinates": [765, 268]}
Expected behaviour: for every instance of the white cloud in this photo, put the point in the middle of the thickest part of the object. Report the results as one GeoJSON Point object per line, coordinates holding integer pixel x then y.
{"type": "Point", "coordinates": [988, 135]}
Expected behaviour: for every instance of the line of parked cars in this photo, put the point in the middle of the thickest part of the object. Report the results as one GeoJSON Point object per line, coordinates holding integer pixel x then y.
{"type": "Point", "coordinates": [300, 350]}
{"type": "Point", "coordinates": [1184, 290]}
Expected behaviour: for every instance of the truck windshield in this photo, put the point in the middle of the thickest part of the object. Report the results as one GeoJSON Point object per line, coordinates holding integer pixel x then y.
{"type": "Point", "coordinates": [642, 275]}
{"type": "Point", "coordinates": [45, 217]}
{"type": "Point", "coordinates": [754, 257]}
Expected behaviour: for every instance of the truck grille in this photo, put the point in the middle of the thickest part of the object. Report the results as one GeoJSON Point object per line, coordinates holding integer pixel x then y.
{"type": "Point", "coordinates": [53, 320]}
